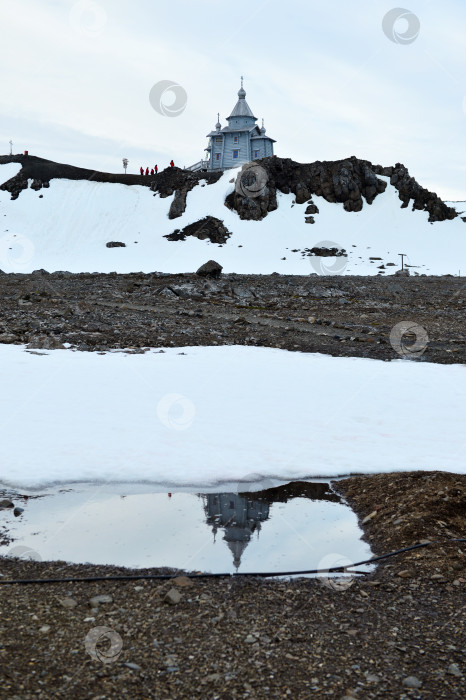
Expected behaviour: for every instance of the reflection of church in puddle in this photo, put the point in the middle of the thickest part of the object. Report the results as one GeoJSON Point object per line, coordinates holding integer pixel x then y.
{"type": "Point", "coordinates": [240, 517]}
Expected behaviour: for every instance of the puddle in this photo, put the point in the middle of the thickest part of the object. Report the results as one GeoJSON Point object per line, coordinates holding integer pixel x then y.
{"type": "Point", "coordinates": [289, 527]}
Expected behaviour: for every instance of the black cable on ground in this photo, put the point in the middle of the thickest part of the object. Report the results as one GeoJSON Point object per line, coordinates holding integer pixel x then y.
{"type": "Point", "coordinates": [138, 577]}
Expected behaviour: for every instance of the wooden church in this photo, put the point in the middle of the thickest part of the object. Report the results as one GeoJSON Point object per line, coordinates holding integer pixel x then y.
{"type": "Point", "coordinates": [237, 143]}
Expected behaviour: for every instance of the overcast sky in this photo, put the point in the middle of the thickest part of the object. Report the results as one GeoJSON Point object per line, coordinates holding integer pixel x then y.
{"type": "Point", "coordinates": [76, 76]}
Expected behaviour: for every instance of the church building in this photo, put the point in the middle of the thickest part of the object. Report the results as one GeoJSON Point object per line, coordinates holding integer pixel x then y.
{"type": "Point", "coordinates": [237, 143]}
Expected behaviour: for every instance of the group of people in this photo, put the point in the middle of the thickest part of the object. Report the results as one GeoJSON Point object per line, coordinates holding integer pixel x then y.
{"type": "Point", "coordinates": [154, 170]}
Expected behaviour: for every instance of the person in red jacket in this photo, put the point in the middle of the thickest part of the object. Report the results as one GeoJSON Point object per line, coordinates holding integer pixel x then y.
{"type": "Point", "coordinates": [141, 170]}
{"type": "Point", "coordinates": [152, 171]}
{"type": "Point", "coordinates": [172, 164]}
{"type": "Point", "coordinates": [156, 169]}
{"type": "Point", "coordinates": [147, 171]}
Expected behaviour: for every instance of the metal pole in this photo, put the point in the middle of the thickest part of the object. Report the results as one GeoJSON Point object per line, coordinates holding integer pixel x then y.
{"type": "Point", "coordinates": [402, 256]}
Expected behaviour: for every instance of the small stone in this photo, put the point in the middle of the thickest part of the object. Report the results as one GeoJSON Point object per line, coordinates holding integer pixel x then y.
{"type": "Point", "coordinates": [17, 511]}
{"type": "Point", "coordinates": [68, 603]}
{"type": "Point", "coordinates": [412, 682]}
{"type": "Point", "coordinates": [404, 574]}
{"type": "Point", "coordinates": [369, 517]}
{"type": "Point", "coordinates": [133, 667]}
{"type": "Point", "coordinates": [250, 639]}
{"type": "Point", "coordinates": [97, 599]}
{"type": "Point", "coordinates": [454, 670]}
{"type": "Point", "coordinates": [172, 597]}
{"type": "Point", "coordinates": [44, 629]}
{"type": "Point", "coordinates": [372, 678]}
{"type": "Point", "coordinates": [6, 503]}
{"type": "Point", "coordinates": [183, 582]}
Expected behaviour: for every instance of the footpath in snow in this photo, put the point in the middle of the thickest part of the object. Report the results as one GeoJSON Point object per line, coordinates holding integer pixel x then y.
{"type": "Point", "coordinates": [207, 415]}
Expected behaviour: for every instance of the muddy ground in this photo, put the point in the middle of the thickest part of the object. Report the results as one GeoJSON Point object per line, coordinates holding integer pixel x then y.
{"type": "Point", "coordinates": [340, 316]}
{"type": "Point", "coordinates": [396, 633]}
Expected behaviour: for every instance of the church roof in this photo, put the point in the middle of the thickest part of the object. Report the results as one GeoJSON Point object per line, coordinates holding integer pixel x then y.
{"type": "Point", "coordinates": [241, 109]}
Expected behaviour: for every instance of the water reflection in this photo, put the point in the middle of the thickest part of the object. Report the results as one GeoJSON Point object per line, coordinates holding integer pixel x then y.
{"type": "Point", "coordinates": [284, 528]}
{"type": "Point", "coordinates": [240, 515]}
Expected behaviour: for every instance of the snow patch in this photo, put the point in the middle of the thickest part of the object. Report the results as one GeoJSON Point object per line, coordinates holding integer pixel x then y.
{"type": "Point", "coordinates": [68, 225]}
{"type": "Point", "coordinates": [217, 414]}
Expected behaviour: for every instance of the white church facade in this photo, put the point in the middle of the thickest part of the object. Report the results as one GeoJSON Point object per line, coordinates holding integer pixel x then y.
{"type": "Point", "coordinates": [241, 141]}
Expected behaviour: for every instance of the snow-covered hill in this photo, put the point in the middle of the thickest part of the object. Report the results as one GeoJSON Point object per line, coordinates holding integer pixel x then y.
{"type": "Point", "coordinates": [66, 227]}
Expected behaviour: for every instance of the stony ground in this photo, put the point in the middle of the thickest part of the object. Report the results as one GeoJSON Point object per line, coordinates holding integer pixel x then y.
{"type": "Point", "coordinates": [346, 316]}
{"type": "Point", "coordinates": [396, 633]}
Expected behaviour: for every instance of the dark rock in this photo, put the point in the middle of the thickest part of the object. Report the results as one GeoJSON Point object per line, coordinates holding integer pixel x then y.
{"type": "Point", "coordinates": [6, 503]}
{"type": "Point", "coordinates": [207, 228]}
{"type": "Point", "coordinates": [349, 181]}
{"type": "Point", "coordinates": [178, 206]}
{"type": "Point", "coordinates": [115, 244]}
{"type": "Point", "coordinates": [327, 252]}
{"type": "Point", "coordinates": [210, 269]}
{"type": "Point", "coordinates": [45, 342]}
{"type": "Point", "coordinates": [17, 511]}
{"type": "Point", "coordinates": [423, 200]}
{"type": "Point", "coordinates": [402, 273]}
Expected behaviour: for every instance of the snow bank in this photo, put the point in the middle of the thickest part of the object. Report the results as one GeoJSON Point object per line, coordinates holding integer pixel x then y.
{"type": "Point", "coordinates": [67, 226]}
{"type": "Point", "coordinates": [219, 414]}
{"type": "Point", "coordinates": [8, 170]}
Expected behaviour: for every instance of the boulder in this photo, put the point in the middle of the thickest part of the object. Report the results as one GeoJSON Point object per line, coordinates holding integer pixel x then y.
{"type": "Point", "coordinates": [209, 228]}
{"type": "Point", "coordinates": [210, 269]}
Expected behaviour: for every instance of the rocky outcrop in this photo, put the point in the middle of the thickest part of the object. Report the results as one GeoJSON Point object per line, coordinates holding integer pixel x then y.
{"type": "Point", "coordinates": [422, 199]}
{"type": "Point", "coordinates": [41, 171]}
{"type": "Point", "coordinates": [207, 228]}
{"type": "Point", "coordinates": [351, 182]}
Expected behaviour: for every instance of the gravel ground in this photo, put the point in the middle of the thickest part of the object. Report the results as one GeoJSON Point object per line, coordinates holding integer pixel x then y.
{"type": "Point", "coordinates": [396, 633]}
{"type": "Point", "coordinates": [341, 316]}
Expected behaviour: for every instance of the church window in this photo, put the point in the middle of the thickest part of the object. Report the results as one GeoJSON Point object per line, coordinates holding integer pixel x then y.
{"type": "Point", "coordinates": [235, 154]}
{"type": "Point", "coordinates": [217, 156]}
{"type": "Point", "coordinates": [256, 154]}
{"type": "Point", "coordinates": [218, 139]}
{"type": "Point", "coordinates": [235, 139]}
